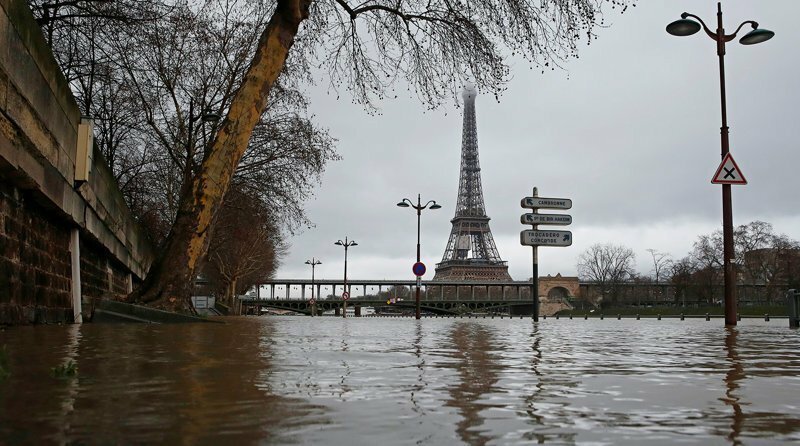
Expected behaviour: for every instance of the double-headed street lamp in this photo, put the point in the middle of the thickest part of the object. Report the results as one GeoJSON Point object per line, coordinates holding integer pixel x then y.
{"type": "Point", "coordinates": [419, 207]}
{"type": "Point", "coordinates": [345, 293]}
{"type": "Point", "coordinates": [313, 262]}
{"type": "Point", "coordinates": [686, 27]}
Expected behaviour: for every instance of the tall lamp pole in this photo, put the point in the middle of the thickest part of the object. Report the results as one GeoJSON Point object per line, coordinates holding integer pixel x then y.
{"type": "Point", "coordinates": [687, 27]}
{"type": "Point", "coordinates": [419, 207]}
{"type": "Point", "coordinates": [313, 262]}
{"type": "Point", "coordinates": [206, 115]}
{"type": "Point", "coordinates": [346, 245]}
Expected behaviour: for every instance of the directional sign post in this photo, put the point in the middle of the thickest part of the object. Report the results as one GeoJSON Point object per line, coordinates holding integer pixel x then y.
{"type": "Point", "coordinates": [535, 238]}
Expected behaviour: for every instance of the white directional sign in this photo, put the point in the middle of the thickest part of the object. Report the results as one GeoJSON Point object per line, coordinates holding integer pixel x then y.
{"type": "Point", "coordinates": [548, 203]}
{"type": "Point", "coordinates": [546, 219]}
{"type": "Point", "coordinates": [545, 238]}
{"type": "Point", "coordinates": [728, 172]}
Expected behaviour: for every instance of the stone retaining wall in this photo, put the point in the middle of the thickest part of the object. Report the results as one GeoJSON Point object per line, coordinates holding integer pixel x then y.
{"type": "Point", "coordinates": [43, 209]}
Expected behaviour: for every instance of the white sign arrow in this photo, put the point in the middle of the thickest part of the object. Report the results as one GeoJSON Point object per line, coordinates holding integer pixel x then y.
{"type": "Point", "coordinates": [545, 238]}
{"type": "Point", "coordinates": [545, 219]}
{"type": "Point", "coordinates": [549, 203]}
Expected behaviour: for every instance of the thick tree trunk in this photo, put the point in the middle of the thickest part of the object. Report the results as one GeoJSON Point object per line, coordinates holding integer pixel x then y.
{"type": "Point", "coordinates": [168, 284]}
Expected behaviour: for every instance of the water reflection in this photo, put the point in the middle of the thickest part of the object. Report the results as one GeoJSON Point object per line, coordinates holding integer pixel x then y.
{"type": "Point", "coordinates": [759, 406]}
{"type": "Point", "coordinates": [145, 384]}
{"type": "Point", "coordinates": [364, 381]}
{"type": "Point", "coordinates": [420, 384]}
{"type": "Point", "coordinates": [732, 378]}
{"type": "Point", "coordinates": [477, 365]}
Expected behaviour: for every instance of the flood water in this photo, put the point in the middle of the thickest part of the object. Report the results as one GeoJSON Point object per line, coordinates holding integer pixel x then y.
{"type": "Point", "coordinates": [368, 381]}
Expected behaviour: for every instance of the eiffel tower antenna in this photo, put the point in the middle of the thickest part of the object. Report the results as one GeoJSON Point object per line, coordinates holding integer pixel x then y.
{"type": "Point", "coordinates": [471, 253]}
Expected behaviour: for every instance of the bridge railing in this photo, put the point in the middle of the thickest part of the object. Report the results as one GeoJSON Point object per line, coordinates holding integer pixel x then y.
{"type": "Point", "coordinates": [359, 289]}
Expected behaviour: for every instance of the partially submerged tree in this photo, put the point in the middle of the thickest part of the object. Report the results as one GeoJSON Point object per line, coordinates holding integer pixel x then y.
{"type": "Point", "coordinates": [607, 265]}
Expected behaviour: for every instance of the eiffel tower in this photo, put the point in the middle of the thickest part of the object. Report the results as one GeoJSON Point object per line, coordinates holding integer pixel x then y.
{"type": "Point", "coordinates": [471, 254]}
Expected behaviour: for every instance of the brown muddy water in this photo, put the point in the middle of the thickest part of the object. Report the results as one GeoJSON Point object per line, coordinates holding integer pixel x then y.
{"type": "Point", "coordinates": [375, 381]}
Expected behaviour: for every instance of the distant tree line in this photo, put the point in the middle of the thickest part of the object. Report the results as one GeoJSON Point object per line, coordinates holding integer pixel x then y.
{"type": "Point", "coordinates": [767, 264]}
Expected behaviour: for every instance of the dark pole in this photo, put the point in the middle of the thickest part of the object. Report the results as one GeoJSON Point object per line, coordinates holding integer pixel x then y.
{"type": "Point", "coordinates": [344, 304]}
{"type": "Point", "coordinates": [191, 127]}
{"type": "Point", "coordinates": [727, 205]}
{"type": "Point", "coordinates": [419, 213]}
{"type": "Point", "coordinates": [313, 264]}
{"type": "Point", "coordinates": [686, 27]}
{"type": "Point", "coordinates": [346, 244]}
{"type": "Point", "coordinates": [418, 207]}
{"type": "Point", "coordinates": [535, 278]}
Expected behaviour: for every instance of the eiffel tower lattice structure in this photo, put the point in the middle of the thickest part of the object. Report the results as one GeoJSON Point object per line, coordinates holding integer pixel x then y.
{"type": "Point", "coordinates": [471, 254]}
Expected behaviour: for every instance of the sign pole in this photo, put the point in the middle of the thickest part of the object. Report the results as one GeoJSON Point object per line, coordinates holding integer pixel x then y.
{"type": "Point", "coordinates": [534, 237]}
{"type": "Point", "coordinates": [535, 277]}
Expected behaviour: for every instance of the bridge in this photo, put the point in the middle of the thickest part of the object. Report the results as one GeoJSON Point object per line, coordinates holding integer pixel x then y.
{"type": "Point", "coordinates": [439, 297]}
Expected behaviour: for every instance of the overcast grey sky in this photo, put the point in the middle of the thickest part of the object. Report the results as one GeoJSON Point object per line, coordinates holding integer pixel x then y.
{"type": "Point", "coordinates": [629, 131]}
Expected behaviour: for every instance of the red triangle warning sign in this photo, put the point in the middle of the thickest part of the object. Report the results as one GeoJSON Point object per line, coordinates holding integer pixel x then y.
{"type": "Point", "coordinates": [728, 172]}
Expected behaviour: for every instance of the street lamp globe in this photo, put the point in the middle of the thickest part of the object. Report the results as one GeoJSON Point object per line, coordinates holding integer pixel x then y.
{"type": "Point", "coordinates": [402, 204]}
{"type": "Point", "coordinates": [756, 36]}
{"type": "Point", "coordinates": [209, 115]}
{"type": "Point", "coordinates": [435, 206]}
{"type": "Point", "coordinates": [683, 27]}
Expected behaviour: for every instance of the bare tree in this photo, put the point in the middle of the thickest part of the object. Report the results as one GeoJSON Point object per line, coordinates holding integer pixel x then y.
{"type": "Point", "coordinates": [707, 256]}
{"type": "Point", "coordinates": [682, 272]}
{"type": "Point", "coordinates": [607, 265]}
{"type": "Point", "coordinates": [661, 263]}
{"type": "Point", "coordinates": [772, 265]}
{"type": "Point", "coordinates": [246, 246]}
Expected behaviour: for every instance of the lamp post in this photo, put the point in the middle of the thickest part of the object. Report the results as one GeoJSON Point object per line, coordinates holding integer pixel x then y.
{"type": "Point", "coordinates": [206, 115]}
{"type": "Point", "coordinates": [419, 207]}
{"type": "Point", "coordinates": [346, 245]}
{"type": "Point", "coordinates": [313, 262]}
{"type": "Point", "coordinates": [687, 27]}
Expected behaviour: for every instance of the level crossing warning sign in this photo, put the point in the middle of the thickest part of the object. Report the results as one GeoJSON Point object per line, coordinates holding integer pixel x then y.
{"type": "Point", "coordinates": [728, 172]}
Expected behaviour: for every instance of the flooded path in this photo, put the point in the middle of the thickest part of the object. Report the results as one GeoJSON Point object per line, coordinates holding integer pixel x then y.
{"type": "Point", "coordinates": [325, 380]}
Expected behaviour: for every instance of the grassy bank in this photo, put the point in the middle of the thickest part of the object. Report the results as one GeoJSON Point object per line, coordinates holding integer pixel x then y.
{"type": "Point", "coordinates": [675, 311]}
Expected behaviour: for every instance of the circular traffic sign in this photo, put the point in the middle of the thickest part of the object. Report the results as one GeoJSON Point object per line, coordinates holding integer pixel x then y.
{"type": "Point", "coordinates": [312, 301]}
{"type": "Point", "coordinates": [345, 295]}
{"type": "Point", "coordinates": [419, 269]}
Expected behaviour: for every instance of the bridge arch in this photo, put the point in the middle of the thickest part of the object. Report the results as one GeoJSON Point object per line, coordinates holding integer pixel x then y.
{"type": "Point", "coordinates": [559, 286]}
{"type": "Point", "coordinates": [558, 292]}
